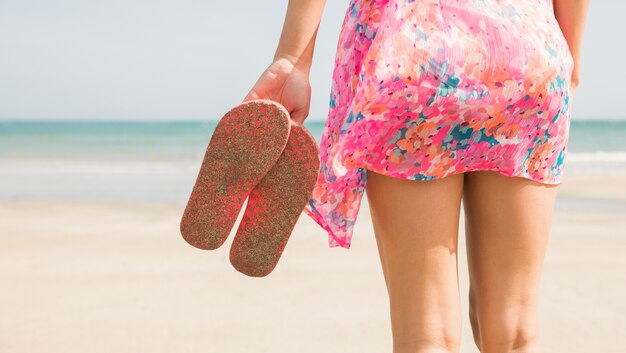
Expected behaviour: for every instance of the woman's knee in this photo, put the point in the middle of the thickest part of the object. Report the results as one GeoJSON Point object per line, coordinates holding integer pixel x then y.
{"type": "Point", "coordinates": [512, 328]}
{"type": "Point", "coordinates": [444, 344]}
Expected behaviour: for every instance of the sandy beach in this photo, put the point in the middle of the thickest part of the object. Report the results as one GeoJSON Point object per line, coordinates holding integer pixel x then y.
{"type": "Point", "coordinates": [113, 276]}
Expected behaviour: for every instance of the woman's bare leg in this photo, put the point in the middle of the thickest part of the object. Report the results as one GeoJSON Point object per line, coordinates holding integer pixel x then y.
{"type": "Point", "coordinates": [416, 225]}
{"type": "Point", "coordinates": [507, 221]}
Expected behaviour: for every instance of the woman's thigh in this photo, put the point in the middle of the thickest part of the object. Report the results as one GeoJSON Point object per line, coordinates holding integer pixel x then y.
{"type": "Point", "coordinates": [507, 223]}
{"type": "Point", "coordinates": [416, 227]}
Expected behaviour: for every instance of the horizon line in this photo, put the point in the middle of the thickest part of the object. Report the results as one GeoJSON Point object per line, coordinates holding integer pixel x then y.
{"type": "Point", "coordinates": [170, 120]}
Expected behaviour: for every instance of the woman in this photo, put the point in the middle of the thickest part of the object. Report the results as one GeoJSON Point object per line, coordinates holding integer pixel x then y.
{"type": "Point", "coordinates": [434, 102]}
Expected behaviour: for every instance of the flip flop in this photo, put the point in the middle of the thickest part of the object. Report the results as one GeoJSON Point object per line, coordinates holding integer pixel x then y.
{"type": "Point", "coordinates": [246, 143]}
{"type": "Point", "coordinates": [275, 204]}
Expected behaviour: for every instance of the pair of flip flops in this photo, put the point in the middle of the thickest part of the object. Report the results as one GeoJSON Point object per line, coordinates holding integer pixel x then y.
{"type": "Point", "coordinates": [257, 152]}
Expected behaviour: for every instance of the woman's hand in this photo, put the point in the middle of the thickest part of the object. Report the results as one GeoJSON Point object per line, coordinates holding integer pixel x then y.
{"type": "Point", "coordinates": [571, 16]}
{"type": "Point", "coordinates": [286, 84]}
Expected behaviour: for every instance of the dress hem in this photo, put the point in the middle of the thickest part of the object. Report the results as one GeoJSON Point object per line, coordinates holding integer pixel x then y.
{"type": "Point", "coordinates": [528, 176]}
{"type": "Point", "coordinates": [334, 241]}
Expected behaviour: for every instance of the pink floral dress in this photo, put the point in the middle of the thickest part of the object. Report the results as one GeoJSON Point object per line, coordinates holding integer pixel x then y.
{"type": "Point", "coordinates": [427, 88]}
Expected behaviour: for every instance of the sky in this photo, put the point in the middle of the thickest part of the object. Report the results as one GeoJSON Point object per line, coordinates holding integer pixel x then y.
{"type": "Point", "coordinates": [193, 60]}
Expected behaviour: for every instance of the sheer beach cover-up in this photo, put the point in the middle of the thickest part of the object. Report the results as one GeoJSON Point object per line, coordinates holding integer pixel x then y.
{"type": "Point", "coordinates": [425, 89]}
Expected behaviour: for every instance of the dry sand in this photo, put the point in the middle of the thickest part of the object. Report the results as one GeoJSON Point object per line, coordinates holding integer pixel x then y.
{"type": "Point", "coordinates": [117, 277]}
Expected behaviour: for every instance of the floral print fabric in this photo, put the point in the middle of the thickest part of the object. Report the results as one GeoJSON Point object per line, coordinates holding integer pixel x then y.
{"type": "Point", "coordinates": [425, 89]}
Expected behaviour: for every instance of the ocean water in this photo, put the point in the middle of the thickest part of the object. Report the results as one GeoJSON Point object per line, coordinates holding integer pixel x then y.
{"type": "Point", "coordinates": [602, 139]}
{"type": "Point", "coordinates": [160, 160]}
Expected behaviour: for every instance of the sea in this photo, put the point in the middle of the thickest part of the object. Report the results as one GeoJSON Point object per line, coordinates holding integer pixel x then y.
{"type": "Point", "coordinates": [159, 160]}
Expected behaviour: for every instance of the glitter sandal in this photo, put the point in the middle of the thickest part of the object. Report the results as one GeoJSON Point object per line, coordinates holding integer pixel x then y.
{"type": "Point", "coordinates": [246, 143]}
{"type": "Point", "coordinates": [275, 204]}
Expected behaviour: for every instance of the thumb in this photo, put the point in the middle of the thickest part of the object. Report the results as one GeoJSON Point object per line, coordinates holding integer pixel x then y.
{"type": "Point", "coordinates": [251, 96]}
{"type": "Point", "coordinates": [299, 115]}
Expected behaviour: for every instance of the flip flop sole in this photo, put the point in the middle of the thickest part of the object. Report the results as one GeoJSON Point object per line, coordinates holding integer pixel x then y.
{"type": "Point", "coordinates": [246, 143]}
{"type": "Point", "coordinates": [275, 205]}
